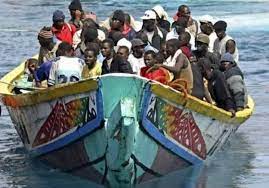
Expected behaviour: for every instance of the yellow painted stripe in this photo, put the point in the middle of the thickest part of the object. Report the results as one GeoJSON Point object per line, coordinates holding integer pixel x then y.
{"type": "Point", "coordinates": [50, 93]}
{"type": "Point", "coordinates": [202, 107]}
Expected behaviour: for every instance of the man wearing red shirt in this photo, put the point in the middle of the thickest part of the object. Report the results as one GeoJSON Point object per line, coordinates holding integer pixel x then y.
{"type": "Point", "coordinates": [62, 30]}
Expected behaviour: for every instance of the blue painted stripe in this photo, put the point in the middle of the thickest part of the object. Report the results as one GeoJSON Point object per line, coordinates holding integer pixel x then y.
{"type": "Point", "coordinates": [78, 133]}
{"type": "Point", "coordinates": [158, 136]}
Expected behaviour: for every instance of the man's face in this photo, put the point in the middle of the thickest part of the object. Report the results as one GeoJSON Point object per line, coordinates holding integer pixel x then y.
{"type": "Point", "coordinates": [138, 51]}
{"type": "Point", "coordinates": [123, 52]}
{"type": "Point", "coordinates": [200, 46]}
{"type": "Point", "coordinates": [149, 60]}
{"type": "Point", "coordinates": [170, 50]}
{"type": "Point", "coordinates": [220, 34]}
{"type": "Point", "coordinates": [149, 25]}
{"type": "Point", "coordinates": [59, 24]}
{"type": "Point", "coordinates": [90, 58]}
{"type": "Point", "coordinates": [106, 50]}
{"type": "Point", "coordinates": [116, 24]}
{"type": "Point", "coordinates": [185, 12]}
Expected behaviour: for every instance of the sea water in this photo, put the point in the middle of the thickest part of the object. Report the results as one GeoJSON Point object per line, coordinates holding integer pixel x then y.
{"type": "Point", "coordinates": [244, 160]}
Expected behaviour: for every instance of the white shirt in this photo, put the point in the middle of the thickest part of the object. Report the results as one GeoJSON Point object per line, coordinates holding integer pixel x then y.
{"type": "Point", "coordinates": [212, 37]}
{"type": "Point", "coordinates": [65, 69]}
{"type": "Point", "coordinates": [174, 35]}
{"type": "Point", "coordinates": [136, 63]}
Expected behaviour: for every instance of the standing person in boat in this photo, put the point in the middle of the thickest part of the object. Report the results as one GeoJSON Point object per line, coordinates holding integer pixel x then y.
{"type": "Point", "coordinates": [62, 30]}
{"type": "Point", "coordinates": [156, 35]}
{"type": "Point", "coordinates": [224, 43]}
{"type": "Point", "coordinates": [66, 68]}
{"type": "Point", "coordinates": [161, 17]}
{"type": "Point", "coordinates": [76, 14]}
{"type": "Point", "coordinates": [112, 62]}
{"type": "Point", "coordinates": [218, 88]}
{"type": "Point", "coordinates": [206, 26]}
{"type": "Point", "coordinates": [178, 63]}
{"type": "Point", "coordinates": [136, 58]}
{"type": "Point", "coordinates": [92, 67]}
{"type": "Point", "coordinates": [47, 46]}
{"type": "Point", "coordinates": [184, 11]}
{"type": "Point", "coordinates": [235, 81]}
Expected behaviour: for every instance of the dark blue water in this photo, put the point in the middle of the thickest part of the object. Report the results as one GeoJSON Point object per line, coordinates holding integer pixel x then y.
{"type": "Point", "coordinates": [242, 162]}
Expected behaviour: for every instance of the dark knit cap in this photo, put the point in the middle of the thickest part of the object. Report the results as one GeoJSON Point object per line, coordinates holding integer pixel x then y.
{"type": "Point", "coordinates": [58, 16]}
{"type": "Point", "coordinates": [75, 5]}
{"type": "Point", "coordinates": [45, 33]}
{"type": "Point", "coordinates": [118, 15]}
{"type": "Point", "coordinates": [220, 26]}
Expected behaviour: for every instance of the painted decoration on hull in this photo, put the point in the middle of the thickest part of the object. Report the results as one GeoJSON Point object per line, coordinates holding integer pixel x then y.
{"type": "Point", "coordinates": [174, 123]}
{"type": "Point", "coordinates": [64, 117]}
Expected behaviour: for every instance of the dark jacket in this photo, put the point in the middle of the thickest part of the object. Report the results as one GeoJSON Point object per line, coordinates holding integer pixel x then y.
{"type": "Point", "coordinates": [198, 89]}
{"type": "Point", "coordinates": [219, 90]}
{"type": "Point", "coordinates": [235, 80]}
{"type": "Point", "coordinates": [118, 65]}
{"type": "Point", "coordinates": [157, 40]}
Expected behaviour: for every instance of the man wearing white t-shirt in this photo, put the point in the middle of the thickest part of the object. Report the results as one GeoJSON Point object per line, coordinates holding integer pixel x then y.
{"type": "Point", "coordinates": [66, 68]}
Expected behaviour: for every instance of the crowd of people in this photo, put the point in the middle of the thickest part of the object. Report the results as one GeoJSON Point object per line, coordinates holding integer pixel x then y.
{"type": "Point", "coordinates": [200, 53]}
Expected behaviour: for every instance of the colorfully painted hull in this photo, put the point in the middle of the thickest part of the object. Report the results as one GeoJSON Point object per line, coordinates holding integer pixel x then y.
{"type": "Point", "coordinates": [119, 129]}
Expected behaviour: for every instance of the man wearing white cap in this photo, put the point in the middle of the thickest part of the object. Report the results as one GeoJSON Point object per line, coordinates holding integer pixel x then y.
{"type": "Point", "coordinates": [155, 34]}
{"type": "Point", "coordinates": [206, 26]}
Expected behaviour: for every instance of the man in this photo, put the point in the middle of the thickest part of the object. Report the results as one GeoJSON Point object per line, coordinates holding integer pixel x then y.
{"type": "Point", "coordinates": [136, 58]}
{"type": "Point", "coordinates": [113, 63]}
{"type": "Point", "coordinates": [92, 67]}
{"type": "Point", "coordinates": [184, 11]}
{"type": "Point", "coordinates": [218, 88]}
{"type": "Point", "coordinates": [76, 14]}
{"type": "Point", "coordinates": [47, 46]}
{"type": "Point", "coordinates": [224, 43]}
{"type": "Point", "coordinates": [162, 17]}
{"type": "Point", "coordinates": [156, 35]}
{"type": "Point", "coordinates": [178, 63]}
{"type": "Point", "coordinates": [235, 81]}
{"type": "Point", "coordinates": [206, 26]}
{"type": "Point", "coordinates": [179, 27]}
{"type": "Point", "coordinates": [128, 31]}
{"type": "Point", "coordinates": [66, 68]}
{"type": "Point", "coordinates": [63, 31]}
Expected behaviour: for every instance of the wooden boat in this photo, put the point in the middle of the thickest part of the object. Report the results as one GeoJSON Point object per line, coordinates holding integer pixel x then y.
{"type": "Point", "coordinates": [118, 129]}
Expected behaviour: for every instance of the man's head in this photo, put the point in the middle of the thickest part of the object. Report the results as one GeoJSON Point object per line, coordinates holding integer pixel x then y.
{"type": "Point", "coordinates": [45, 38]}
{"type": "Point", "coordinates": [123, 52]}
{"type": "Point", "coordinates": [65, 49]}
{"type": "Point", "coordinates": [107, 48]}
{"type": "Point", "coordinates": [202, 42]}
{"type": "Point", "coordinates": [31, 64]}
{"type": "Point", "coordinates": [149, 20]}
{"type": "Point", "coordinates": [90, 54]}
{"type": "Point", "coordinates": [58, 19]}
{"type": "Point", "coordinates": [184, 39]}
{"type": "Point", "coordinates": [89, 35]}
{"type": "Point", "coordinates": [118, 19]}
{"type": "Point", "coordinates": [172, 46]}
{"type": "Point", "coordinates": [184, 11]}
{"type": "Point", "coordinates": [138, 47]}
{"type": "Point", "coordinates": [75, 8]}
{"type": "Point", "coordinates": [220, 29]}
{"type": "Point", "coordinates": [150, 58]}
{"type": "Point", "coordinates": [180, 25]}
{"type": "Point", "coordinates": [226, 61]}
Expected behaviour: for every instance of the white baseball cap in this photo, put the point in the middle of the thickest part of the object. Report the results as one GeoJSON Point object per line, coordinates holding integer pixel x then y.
{"type": "Point", "coordinates": [149, 15]}
{"type": "Point", "coordinates": [124, 42]}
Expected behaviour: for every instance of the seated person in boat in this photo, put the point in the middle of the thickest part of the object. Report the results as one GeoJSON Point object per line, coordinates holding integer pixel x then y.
{"type": "Point", "coordinates": [235, 81]}
{"type": "Point", "coordinates": [47, 46]}
{"type": "Point", "coordinates": [62, 30]}
{"type": "Point", "coordinates": [92, 67]}
{"type": "Point", "coordinates": [218, 87]}
{"type": "Point", "coordinates": [178, 63]}
{"type": "Point", "coordinates": [66, 68]}
{"type": "Point", "coordinates": [136, 58]}
{"type": "Point", "coordinates": [161, 17]}
{"type": "Point", "coordinates": [76, 14]}
{"type": "Point", "coordinates": [112, 62]}
{"type": "Point", "coordinates": [159, 74]}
